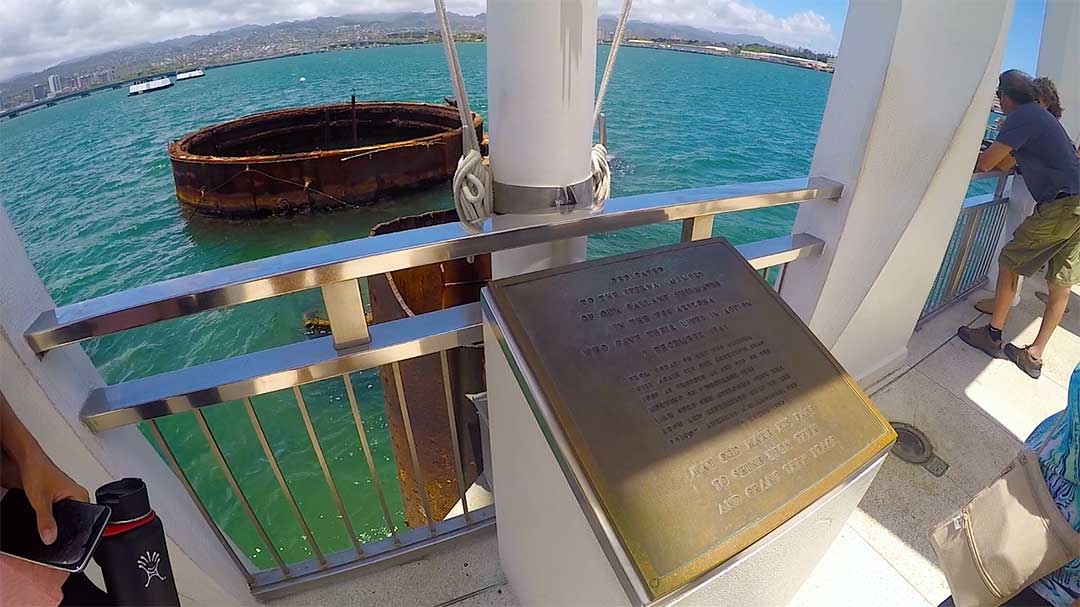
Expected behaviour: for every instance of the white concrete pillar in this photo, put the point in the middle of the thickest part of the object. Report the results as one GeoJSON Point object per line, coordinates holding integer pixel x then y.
{"type": "Point", "coordinates": [541, 85]}
{"type": "Point", "coordinates": [906, 110]}
{"type": "Point", "coordinates": [1059, 58]}
{"type": "Point", "coordinates": [46, 394]}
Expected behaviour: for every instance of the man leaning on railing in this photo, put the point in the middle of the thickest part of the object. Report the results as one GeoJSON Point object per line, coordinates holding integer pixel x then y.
{"type": "Point", "coordinates": [1021, 202]}
{"type": "Point", "coordinates": [1045, 155]}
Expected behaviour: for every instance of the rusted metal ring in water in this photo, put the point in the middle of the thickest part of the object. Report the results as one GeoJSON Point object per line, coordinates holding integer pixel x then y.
{"type": "Point", "coordinates": [319, 157]}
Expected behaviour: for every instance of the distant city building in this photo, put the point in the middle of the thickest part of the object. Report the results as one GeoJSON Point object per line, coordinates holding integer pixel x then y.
{"type": "Point", "coordinates": [85, 81]}
{"type": "Point", "coordinates": [831, 61]}
{"type": "Point", "coordinates": [55, 84]}
{"type": "Point", "coordinates": [38, 91]}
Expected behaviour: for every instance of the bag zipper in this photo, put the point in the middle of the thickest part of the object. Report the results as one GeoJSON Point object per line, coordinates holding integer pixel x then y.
{"type": "Point", "coordinates": [979, 568]}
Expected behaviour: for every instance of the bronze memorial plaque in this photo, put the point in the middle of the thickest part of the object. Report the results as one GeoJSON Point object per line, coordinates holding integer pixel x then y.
{"type": "Point", "coordinates": [702, 410]}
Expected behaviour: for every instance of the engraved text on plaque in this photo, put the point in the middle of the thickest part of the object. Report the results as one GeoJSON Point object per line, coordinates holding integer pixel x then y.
{"type": "Point", "coordinates": [703, 411]}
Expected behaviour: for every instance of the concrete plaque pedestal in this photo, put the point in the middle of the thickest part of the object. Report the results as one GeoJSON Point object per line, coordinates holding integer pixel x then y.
{"type": "Point", "coordinates": [665, 431]}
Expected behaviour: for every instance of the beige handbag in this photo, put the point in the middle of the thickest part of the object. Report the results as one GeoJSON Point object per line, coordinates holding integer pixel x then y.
{"type": "Point", "coordinates": [1008, 537]}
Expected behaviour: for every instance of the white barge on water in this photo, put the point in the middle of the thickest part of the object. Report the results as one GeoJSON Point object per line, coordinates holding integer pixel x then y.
{"type": "Point", "coordinates": [149, 86]}
{"type": "Point", "coordinates": [188, 75]}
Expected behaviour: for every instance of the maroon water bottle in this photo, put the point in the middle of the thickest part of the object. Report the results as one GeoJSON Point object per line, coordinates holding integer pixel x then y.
{"type": "Point", "coordinates": [132, 554]}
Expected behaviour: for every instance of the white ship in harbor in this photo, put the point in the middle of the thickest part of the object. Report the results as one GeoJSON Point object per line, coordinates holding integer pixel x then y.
{"type": "Point", "coordinates": [495, 499]}
{"type": "Point", "coordinates": [149, 86]}
{"type": "Point", "coordinates": [188, 75]}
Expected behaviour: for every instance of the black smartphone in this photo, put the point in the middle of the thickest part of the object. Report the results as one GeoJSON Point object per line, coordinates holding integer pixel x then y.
{"type": "Point", "coordinates": [78, 530]}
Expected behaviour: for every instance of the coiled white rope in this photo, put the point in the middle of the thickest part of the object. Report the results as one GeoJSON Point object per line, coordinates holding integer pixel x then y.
{"type": "Point", "coordinates": [472, 180]}
{"type": "Point", "coordinates": [472, 188]}
{"type": "Point", "coordinates": [601, 171]}
{"type": "Point", "coordinates": [601, 174]}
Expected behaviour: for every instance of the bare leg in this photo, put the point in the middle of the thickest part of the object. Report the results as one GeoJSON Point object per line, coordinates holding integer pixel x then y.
{"type": "Point", "coordinates": [1003, 296]}
{"type": "Point", "coordinates": [1055, 311]}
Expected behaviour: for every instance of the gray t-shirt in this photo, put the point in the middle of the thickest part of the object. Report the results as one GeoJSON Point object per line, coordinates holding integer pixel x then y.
{"type": "Point", "coordinates": [1043, 152]}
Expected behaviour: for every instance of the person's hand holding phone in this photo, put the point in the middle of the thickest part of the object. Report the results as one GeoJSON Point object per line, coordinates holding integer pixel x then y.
{"type": "Point", "coordinates": [45, 484]}
{"type": "Point", "coordinates": [27, 467]}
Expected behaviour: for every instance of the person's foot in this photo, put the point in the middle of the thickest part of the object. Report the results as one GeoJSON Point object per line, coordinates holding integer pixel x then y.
{"type": "Point", "coordinates": [980, 338]}
{"type": "Point", "coordinates": [986, 306]}
{"type": "Point", "coordinates": [1043, 297]}
{"type": "Point", "coordinates": [1023, 359]}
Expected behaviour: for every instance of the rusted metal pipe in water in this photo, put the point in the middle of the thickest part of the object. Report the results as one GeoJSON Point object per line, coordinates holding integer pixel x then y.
{"type": "Point", "coordinates": [416, 291]}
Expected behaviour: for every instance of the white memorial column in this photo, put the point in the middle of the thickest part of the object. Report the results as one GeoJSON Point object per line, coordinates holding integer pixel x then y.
{"type": "Point", "coordinates": [907, 107]}
{"type": "Point", "coordinates": [541, 85]}
{"type": "Point", "coordinates": [46, 394]}
{"type": "Point", "coordinates": [1059, 58]}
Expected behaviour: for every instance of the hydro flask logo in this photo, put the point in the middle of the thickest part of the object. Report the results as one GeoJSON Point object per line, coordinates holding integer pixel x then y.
{"type": "Point", "coordinates": [149, 564]}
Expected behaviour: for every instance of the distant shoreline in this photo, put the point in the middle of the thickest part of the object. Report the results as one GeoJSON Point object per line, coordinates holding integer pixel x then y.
{"type": "Point", "coordinates": [714, 50]}
{"type": "Point", "coordinates": [652, 45]}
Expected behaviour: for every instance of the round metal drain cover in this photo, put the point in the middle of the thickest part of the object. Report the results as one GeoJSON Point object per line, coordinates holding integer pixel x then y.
{"type": "Point", "coordinates": [912, 446]}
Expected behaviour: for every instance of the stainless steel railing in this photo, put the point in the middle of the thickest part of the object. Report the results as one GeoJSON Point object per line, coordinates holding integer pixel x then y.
{"type": "Point", "coordinates": [971, 249]}
{"type": "Point", "coordinates": [353, 347]}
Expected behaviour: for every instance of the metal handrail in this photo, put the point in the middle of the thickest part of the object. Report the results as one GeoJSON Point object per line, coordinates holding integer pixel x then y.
{"type": "Point", "coordinates": [353, 346]}
{"type": "Point", "coordinates": [970, 252]}
{"type": "Point", "coordinates": [980, 200]}
{"type": "Point", "coordinates": [337, 263]}
{"type": "Point", "coordinates": [981, 176]}
{"type": "Point", "coordinates": [305, 362]}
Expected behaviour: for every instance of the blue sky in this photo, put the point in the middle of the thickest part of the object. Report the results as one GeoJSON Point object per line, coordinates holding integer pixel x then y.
{"type": "Point", "coordinates": [1021, 50]}
{"type": "Point", "coordinates": [1022, 47]}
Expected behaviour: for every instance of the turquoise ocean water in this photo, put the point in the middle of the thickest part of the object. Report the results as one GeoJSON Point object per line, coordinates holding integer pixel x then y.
{"type": "Point", "coordinates": [89, 189]}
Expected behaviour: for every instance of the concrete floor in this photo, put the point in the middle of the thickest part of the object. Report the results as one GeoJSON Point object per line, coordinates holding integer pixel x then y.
{"type": "Point", "coordinates": [974, 409]}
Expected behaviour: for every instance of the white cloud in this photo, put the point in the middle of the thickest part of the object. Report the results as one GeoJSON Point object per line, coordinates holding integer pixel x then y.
{"type": "Point", "coordinates": [35, 34]}
{"type": "Point", "coordinates": [804, 28]}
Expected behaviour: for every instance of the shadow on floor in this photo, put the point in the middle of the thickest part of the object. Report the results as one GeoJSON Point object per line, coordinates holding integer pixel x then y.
{"type": "Point", "coordinates": [975, 410]}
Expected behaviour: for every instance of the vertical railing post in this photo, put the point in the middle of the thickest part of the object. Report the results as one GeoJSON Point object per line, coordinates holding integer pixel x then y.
{"type": "Point", "coordinates": [331, 485]}
{"type": "Point", "coordinates": [964, 251]}
{"type": "Point", "coordinates": [697, 228]}
{"type": "Point", "coordinates": [999, 188]}
{"type": "Point", "coordinates": [602, 122]}
{"type": "Point", "coordinates": [283, 486]}
{"type": "Point", "coordinates": [780, 277]}
{"type": "Point", "coordinates": [345, 309]}
{"type": "Point", "coordinates": [366, 446]}
{"type": "Point", "coordinates": [170, 460]}
{"type": "Point", "coordinates": [238, 493]}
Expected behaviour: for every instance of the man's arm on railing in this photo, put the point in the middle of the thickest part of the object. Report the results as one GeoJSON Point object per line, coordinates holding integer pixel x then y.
{"type": "Point", "coordinates": [997, 157]}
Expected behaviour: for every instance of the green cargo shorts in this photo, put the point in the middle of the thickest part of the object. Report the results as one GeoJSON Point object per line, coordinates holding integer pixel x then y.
{"type": "Point", "coordinates": [1051, 236]}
